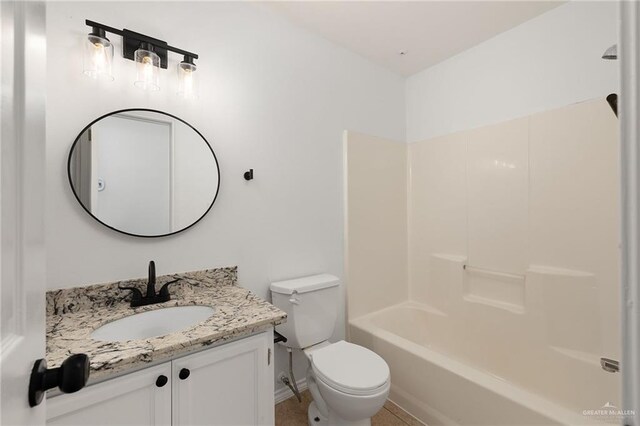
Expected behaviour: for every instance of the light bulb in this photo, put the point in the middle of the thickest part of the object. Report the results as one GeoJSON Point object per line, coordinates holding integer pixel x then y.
{"type": "Point", "coordinates": [98, 56]}
{"type": "Point", "coordinates": [187, 78]}
{"type": "Point", "coordinates": [188, 81]}
{"type": "Point", "coordinates": [147, 65]}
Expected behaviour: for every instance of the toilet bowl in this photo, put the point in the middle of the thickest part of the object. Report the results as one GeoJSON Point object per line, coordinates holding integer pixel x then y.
{"type": "Point", "coordinates": [348, 383]}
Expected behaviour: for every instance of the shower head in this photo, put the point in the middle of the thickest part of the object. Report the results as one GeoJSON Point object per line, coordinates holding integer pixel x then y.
{"type": "Point", "coordinates": [611, 53]}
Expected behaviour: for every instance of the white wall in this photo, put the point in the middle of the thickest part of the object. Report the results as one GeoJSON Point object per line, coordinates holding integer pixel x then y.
{"type": "Point", "coordinates": [550, 61]}
{"type": "Point", "coordinates": [273, 97]}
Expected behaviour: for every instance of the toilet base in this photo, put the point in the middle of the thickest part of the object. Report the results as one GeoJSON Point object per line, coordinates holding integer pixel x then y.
{"type": "Point", "coordinates": [316, 419]}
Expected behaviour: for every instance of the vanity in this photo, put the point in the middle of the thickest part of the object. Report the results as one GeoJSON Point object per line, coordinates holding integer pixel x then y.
{"type": "Point", "coordinates": [216, 367]}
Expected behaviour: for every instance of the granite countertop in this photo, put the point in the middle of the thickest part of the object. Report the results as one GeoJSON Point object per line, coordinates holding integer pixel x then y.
{"type": "Point", "coordinates": [73, 314]}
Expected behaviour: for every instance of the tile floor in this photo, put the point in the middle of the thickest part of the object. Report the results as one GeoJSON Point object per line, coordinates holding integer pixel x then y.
{"type": "Point", "coordinates": [294, 413]}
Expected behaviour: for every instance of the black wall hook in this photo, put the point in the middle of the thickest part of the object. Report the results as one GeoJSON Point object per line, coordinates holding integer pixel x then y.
{"type": "Point", "coordinates": [248, 175]}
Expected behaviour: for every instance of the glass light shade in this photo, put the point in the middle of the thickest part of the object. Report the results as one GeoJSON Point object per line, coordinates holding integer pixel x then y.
{"type": "Point", "coordinates": [147, 70]}
{"type": "Point", "coordinates": [98, 57]}
{"type": "Point", "coordinates": [187, 80]}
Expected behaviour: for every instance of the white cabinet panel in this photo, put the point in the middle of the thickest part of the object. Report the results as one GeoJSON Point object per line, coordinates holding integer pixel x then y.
{"type": "Point", "coordinates": [133, 399]}
{"type": "Point", "coordinates": [229, 385]}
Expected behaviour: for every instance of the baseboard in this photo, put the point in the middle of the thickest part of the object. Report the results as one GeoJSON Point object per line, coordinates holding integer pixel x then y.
{"type": "Point", "coordinates": [285, 393]}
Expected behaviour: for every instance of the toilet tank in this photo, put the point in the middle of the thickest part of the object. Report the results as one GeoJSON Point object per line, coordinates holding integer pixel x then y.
{"type": "Point", "coordinates": [311, 304]}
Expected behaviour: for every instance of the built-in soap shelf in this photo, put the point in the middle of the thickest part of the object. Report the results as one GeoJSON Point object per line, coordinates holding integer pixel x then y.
{"type": "Point", "coordinates": [453, 277]}
{"type": "Point", "coordinates": [492, 273]}
{"type": "Point", "coordinates": [553, 270]}
{"type": "Point", "coordinates": [502, 290]}
{"type": "Point", "coordinates": [571, 307]}
{"type": "Point", "coordinates": [455, 258]}
{"type": "Point", "coordinates": [511, 307]}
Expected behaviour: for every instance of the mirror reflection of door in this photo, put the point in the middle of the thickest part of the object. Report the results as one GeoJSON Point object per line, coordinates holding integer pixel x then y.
{"type": "Point", "coordinates": [143, 172]}
{"type": "Point", "coordinates": [125, 192]}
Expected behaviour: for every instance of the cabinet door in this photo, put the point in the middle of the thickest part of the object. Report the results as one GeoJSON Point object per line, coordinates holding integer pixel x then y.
{"type": "Point", "coordinates": [133, 399]}
{"type": "Point", "coordinates": [228, 385]}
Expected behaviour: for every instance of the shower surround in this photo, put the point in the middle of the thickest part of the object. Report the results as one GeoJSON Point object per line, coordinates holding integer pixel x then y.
{"type": "Point", "coordinates": [511, 293]}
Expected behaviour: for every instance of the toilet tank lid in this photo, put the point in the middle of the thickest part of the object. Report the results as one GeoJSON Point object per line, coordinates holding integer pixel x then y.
{"type": "Point", "coordinates": [305, 284]}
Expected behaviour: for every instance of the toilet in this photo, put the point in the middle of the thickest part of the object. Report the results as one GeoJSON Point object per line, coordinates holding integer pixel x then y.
{"type": "Point", "coordinates": [348, 383]}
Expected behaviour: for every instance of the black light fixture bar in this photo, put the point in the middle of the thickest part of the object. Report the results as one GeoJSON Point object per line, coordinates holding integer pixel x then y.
{"type": "Point", "coordinates": [131, 41]}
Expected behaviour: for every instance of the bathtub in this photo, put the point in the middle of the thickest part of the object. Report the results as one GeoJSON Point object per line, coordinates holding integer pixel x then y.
{"type": "Point", "coordinates": [443, 379]}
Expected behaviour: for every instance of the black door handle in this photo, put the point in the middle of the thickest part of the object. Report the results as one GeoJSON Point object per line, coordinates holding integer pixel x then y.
{"type": "Point", "coordinates": [184, 373]}
{"type": "Point", "coordinates": [70, 377]}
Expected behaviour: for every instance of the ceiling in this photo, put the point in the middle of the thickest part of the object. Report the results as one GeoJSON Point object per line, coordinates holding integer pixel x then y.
{"type": "Point", "coordinates": [428, 31]}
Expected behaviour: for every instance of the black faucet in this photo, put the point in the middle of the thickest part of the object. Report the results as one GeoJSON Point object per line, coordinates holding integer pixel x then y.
{"type": "Point", "coordinates": [137, 299]}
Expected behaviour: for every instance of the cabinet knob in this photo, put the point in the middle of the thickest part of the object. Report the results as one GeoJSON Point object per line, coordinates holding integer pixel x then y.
{"type": "Point", "coordinates": [184, 373]}
{"type": "Point", "coordinates": [161, 381]}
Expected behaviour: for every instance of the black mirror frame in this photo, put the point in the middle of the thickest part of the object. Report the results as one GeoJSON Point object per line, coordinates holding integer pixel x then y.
{"type": "Point", "coordinates": [145, 110]}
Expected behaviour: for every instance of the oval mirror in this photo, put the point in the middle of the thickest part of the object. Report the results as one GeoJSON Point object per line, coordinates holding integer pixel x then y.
{"type": "Point", "coordinates": [143, 172]}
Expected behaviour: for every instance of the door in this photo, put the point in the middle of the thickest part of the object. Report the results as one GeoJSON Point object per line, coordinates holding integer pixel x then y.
{"type": "Point", "coordinates": [630, 129]}
{"type": "Point", "coordinates": [133, 173]}
{"type": "Point", "coordinates": [22, 166]}
{"type": "Point", "coordinates": [228, 385]}
{"type": "Point", "coordinates": [142, 398]}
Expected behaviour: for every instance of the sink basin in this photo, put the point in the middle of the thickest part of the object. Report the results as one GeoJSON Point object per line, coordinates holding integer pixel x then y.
{"type": "Point", "coordinates": [153, 323]}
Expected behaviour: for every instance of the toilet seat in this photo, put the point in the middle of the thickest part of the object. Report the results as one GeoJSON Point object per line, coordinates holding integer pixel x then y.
{"type": "Point", "coordinates": [349, 368]}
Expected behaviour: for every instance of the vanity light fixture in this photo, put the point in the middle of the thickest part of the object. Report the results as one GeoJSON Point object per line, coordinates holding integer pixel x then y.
{"type": "Point", "coordinates": [150, 55]}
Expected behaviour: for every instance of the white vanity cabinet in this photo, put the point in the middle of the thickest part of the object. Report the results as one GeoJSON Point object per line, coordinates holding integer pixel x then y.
{"type": "Point", "coordinates": [231, 384]}
{"type": "Point", "coordinates": [133, 399]}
